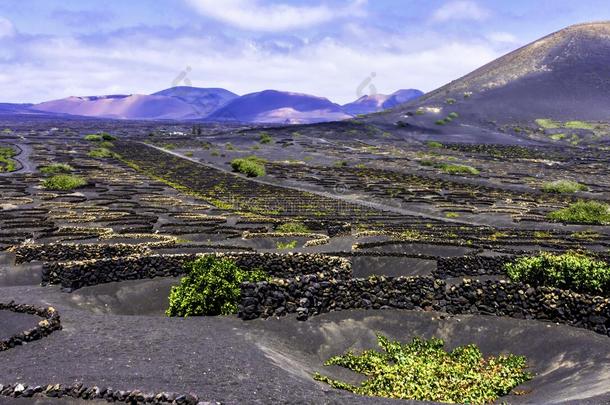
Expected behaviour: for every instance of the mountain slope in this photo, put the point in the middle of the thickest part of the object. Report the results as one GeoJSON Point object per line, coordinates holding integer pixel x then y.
{"type": "Point", "coordinates": [204, 100]}
{"type": "Point", "coordinates": [563, 76]}
{"type": "Point", "coordinates": [272, 106]}
{"type": "Point", "coordinates": [134, 106]}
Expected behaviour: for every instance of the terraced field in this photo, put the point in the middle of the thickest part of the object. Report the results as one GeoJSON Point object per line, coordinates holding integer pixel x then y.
{"type": "Point", "coordinates": [361, 231]}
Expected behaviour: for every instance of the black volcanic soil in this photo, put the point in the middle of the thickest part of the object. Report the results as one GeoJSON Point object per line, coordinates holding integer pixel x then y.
{"type": "Point", "coordinates": [271, 361]}
{"type": "Point", "coordinates": [13, 323]}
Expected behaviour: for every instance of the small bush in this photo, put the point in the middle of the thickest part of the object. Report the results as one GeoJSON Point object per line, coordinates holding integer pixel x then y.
{"type": "Point", "coordinates": [108, 137]}
{"type": "Point", "coordinates": [211, 287]}
{"type": "Point", "coordinates": [64, 182]}
{"type": "Point", "coordinates": [441, 122]}
{"type": "Point", "coordinates": [583, 212]}
{"type": "Point", "coordinates": [563, 186]}
{"type": "Point", "coordinates": [450, 101]}
{"type": "Point", "coordinates": [434, 144]}
{"type": "Point", "coordinates": [422, 370]}
{"type": "Point", "coordinates": [546, 123]}
{"type": "Point", "coordinates": [457, 169]}
{"type": "Point", "coordinates": [579, 125]}
{"type": "Point", "coordinates": [570, 271]}
{"type": "Point", "coordinates": [453, 115]}
{"type": "Point", "coordinates": [93, 138]}
{"type": "Point", "coordinates": [101, 153]}
{"type": "Point", "coordinates": [286, 245]}
{"type": "Point", "coordinates": [250, 166]}
{"type": "Point", "coordinates": [265, 138]}
{"type": "Point", "coordinates": [293, 227]}
{"type": "Point", "coordinates": [56, 168]}
{"type": "Point", "coordinates": [340, 163]}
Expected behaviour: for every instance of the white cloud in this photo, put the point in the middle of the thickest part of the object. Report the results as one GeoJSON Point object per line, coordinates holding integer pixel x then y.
{"type": "Point", "coordinates": [503, 38]}
{"type": "Point", "coordinates": [460, 10]}
{"type": "Point", "coordinates": [252, 15]}
{"type": "Point", "coordinates": [7, 29]}
{"type": "Point", "coordinates": [56, 67]}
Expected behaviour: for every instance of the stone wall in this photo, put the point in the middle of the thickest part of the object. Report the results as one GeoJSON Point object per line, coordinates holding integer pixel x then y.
{"type": "Point", "coordinates": [50, 322]}
{"type": "Point", "coordinates": [471, 266]}
{"type": "Point", "coordinates": [77, 274]}
{"type": "Point", "coordinates": [62, 252]}
{"type": "Point", "coordinates": [307, 296]}
{"type": "Point", "coordinates": [80, 392]}
{"type": "Point", "coordinates": [313, 295]}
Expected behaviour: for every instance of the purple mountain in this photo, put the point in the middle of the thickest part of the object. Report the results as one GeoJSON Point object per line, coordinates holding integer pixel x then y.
{"type": "Point", "coordinates": [204, 100]}
{"type": "Point", "coordinates": [135, 106]}
{"type": "Point", "coordinates": [272, 106]}
{"type": "Point", "coordinates": [378, 102]}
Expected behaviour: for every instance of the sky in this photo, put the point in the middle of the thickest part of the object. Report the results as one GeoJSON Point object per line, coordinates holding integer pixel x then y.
{"type": "Point", "coordinates": [339, 49]}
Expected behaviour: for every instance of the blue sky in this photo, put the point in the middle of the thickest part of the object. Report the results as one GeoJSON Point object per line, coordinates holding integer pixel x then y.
{"type": "Point", "coordinates": [53, 49]}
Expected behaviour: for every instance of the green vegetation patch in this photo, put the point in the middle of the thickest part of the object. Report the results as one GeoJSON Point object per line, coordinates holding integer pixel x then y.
{"type": "Point", "coordinates": [579, 125]}
{"type": "Point", "coordinates": [570, 271]}
{"type": "Point", "coordinates": [434, 144]}
{"type": "Point", "coordinates": [64, 182]}
{"type": "Point", "coordinates": [101, 153]}
{"type": "Point", "coordinates": [211, 287]}
{"type": "Point", "coordinates": [457, 169]}
{"type": "Point", "coordinates": [563, 186]}
{"type": "Point", "coordinates": [56, 168]}
{"type": "Point", "coordinates": [583, 212]}
{"type": "Point", "coordinates": [286, 245]}
{"type": "Point", "coordinates": [422, 370]}
{"type": "Point", "coordinates": [93, 138]}
{"type": "Point", "coordinates": [251, 166]}
{"type": "Point", "coordinates": [546, 123]}
{"type": "Point", "coordinates": [265, 138]}
{"type": "Point", "coordinates": [293, 227]}
{"type": "Point", "coordinates": [7, 164]}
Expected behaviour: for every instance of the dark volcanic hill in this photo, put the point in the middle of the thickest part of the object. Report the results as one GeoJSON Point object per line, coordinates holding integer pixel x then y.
{"type": "Point", "coordinates": [272, 106]}
{"type": "Point", "coordinates": [563, 76]}
{"type": "Point", "coordinates": [204, 100]}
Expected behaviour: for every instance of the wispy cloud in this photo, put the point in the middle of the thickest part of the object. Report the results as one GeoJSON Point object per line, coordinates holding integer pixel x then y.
{"type": "Point", "coordinates": [81, 17]}
{"type": "Point", "coordinates": [460, 10]}
{"type": "Point", "coordinates": [7, 29]}
{"type": "Point", "coordinates": [255, 16]}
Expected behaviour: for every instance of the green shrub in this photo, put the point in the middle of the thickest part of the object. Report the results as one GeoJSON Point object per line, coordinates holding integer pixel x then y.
{"type": "Point", "coordinates": [340, 163]}
{"type": "Point", "coordinates": [64, 182]}
{"type": "Point", "coordinates": [583, 212]}
{"type": "Point", "coordinates": [93, 138]}
{"type": "Point", "coordinates": [579, 125]}
{"type": "Point", "coordinates": [107, 137]}
{"type": "Point", "coordinates": [56, 168]}
{"type": "Point", "coordinates": [570, 271]}
{"type": "Point", "coordinates": [250, 166]}
{"type": "Point", "coordinates": [286, 245]}
{"type": "Point", "coordinates": [101, 153]}
{"type": "Point", "coordinates": [546, 123]}
{"type": "Point", "coordinates": [211, 287]}
{"type": "Point", "coordinates": [265, 138]}
{"type": "Point", "coordinates": [293, 227]}
{"type": "Point", "coordinates": [434, 144]}
{"type": "Point", "coordinates": [563, 186]}
{"type": "Point", "coordinates": [441, 122]}
{"type": "Point", "coordinates": [450, 101]}
{"type": "Point", "coordinates": [6, 163]}
{"type": "Point", "coordinates": [457, 169]}
{"type": "Point", "coordinates": [422, 370]}
{"type": "Point", "coordinates": [453, 115]}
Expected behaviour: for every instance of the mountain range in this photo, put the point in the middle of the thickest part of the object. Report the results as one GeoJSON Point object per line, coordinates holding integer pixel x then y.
{"type": "Point", "coordinates": [211, 104]}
